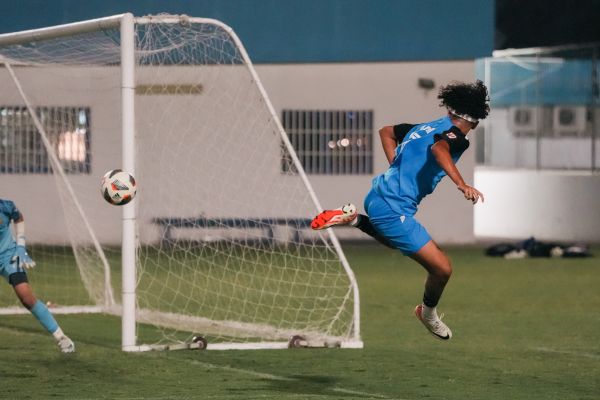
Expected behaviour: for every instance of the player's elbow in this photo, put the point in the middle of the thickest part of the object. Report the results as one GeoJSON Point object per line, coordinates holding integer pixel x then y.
{"type": "Point", "coordinates": [387, 132]}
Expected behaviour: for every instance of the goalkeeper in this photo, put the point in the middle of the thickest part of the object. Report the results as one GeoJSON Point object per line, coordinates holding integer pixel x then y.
{"type": "Point", "coordinates": [420, 156]}
{"type": "Point", "coordinates": [13, 262]}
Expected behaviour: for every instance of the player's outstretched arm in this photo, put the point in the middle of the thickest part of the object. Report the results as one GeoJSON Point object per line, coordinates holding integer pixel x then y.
{"type": "Point", "coordinates": [441, 152]}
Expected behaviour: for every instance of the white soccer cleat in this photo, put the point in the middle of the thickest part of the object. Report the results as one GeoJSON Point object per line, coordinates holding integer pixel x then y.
{"type": "Point", "coordinates": [434, 325]}
{"type": "Point", "coordinates": [339, 216]}
{"type": "Point", "coordinates": [66, 345]}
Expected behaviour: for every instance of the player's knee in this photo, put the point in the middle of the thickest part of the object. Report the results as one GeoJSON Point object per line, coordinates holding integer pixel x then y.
{"type": "Point", "coordinates": [27, 304]}
{"type": "Point", "coordinates": [444, 270]}
{"type": "Point", "coordinates": [22, 289]}
{"type": "Point", "coordinates": [28, 301]}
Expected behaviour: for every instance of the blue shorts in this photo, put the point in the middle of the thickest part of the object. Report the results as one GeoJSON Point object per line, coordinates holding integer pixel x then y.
{"type": "Point", "coordinates": [7, 267]}
{"type": "Point", "coordinates": [404, 232]}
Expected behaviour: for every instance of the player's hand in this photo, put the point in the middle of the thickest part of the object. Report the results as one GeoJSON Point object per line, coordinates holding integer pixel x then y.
{"type": "Point", "coordinates": [23, 258]}
{"type": "Point", "coordinates": [471, 193]}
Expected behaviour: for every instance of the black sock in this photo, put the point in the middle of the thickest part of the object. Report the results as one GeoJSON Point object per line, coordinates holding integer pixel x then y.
{"type": "Point", "coordinates": [428, 302]}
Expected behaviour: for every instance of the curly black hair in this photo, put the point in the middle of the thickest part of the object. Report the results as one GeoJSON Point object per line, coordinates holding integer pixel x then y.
{"type": "Point", "coordinates": [466, 98]}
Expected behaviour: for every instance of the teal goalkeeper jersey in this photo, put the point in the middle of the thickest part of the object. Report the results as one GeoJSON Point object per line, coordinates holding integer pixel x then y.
{"type": "Point", "coordinates": [8, 213]}
{"type": "Point", "coordinates": [414, 172]}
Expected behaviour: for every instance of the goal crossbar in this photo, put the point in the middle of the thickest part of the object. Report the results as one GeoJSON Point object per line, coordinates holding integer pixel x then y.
{"type": "Point", "coordinates": [57, 31]}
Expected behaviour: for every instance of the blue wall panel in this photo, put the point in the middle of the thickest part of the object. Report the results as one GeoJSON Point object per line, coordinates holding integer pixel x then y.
{"type": "Point", "coordinates": [290, 31]}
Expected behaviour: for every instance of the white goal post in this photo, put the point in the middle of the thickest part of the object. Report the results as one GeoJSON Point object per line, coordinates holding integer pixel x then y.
{"type": "Point", "coordinates": [215, 245]}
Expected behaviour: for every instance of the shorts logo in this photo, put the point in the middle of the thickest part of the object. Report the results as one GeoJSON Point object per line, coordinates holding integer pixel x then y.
{"type": "Point", "coordinates": [451, 135]}
{"type": "Point", "coordinates": [402, 218]}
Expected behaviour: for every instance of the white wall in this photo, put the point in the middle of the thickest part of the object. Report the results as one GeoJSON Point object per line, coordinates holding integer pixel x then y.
{"type": "Point", "coordinates": [390, 89]}
{"type": "Point", "coordinates": [505, 148]}
{"type": "Point", "coordinates": [550, 205]}
{"type": "Point", "coordinates": [37, 195]}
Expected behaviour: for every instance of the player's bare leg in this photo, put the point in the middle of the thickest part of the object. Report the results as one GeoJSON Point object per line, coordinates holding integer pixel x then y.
{"type": "Point", "coordinates": [40, 311]}
{"type": "Point", "coordinates": [25, 295]}
{"type": "Point", "coordinates": [439, 271]}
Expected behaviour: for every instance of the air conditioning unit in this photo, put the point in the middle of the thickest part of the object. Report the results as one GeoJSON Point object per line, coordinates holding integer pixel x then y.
{"type": "Point", "coordinates": [569, 120]}
{"type": "Point", "coordinates": [524, 120]}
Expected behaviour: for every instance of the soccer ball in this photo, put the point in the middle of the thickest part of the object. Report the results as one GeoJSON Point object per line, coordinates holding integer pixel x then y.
{"type": "Point", "coordinates": [118, 187]}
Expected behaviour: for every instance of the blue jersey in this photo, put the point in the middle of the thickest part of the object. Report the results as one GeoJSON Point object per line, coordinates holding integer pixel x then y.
{"type": "Point", "coordinates": [8, 213]}
{"type": "Point", "coordinates": [415, 173]}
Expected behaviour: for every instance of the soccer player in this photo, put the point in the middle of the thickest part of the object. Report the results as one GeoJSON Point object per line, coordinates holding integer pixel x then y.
{"type": "Point", "coordinates": [13, 260]}
{"type": "Point", "coordinates": [420, 156]}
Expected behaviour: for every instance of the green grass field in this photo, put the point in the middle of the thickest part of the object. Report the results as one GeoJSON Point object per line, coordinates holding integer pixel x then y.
{"type": "Point", "coordinates": [523, 329]}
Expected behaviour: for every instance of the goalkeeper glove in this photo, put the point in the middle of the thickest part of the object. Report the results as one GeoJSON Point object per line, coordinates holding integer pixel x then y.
{"type": "Point", "coordinates": [23, 258]}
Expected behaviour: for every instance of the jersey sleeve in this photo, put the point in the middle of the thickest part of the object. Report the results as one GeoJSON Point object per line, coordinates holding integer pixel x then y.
{"type": "Point", "coordinates": [12, 211]}
{"type": "Point", "coordinates": [401, 130]}
{"type": "Point", "coordinates": [455, 138]}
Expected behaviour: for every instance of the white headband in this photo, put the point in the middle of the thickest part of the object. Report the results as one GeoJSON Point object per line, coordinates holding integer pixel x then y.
{"type": "Point", "coordinates": [464, 116]}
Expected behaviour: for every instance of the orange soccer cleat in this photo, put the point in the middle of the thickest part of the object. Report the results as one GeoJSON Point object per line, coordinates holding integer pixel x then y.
{"type": "Point", "coordinates": [339, 216]}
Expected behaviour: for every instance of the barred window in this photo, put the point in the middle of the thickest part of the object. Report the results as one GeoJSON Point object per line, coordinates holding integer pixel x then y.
{"type": "Point", "coordinates": [331, 142]}
{"type": "Point", "coordinates": [22, 150]}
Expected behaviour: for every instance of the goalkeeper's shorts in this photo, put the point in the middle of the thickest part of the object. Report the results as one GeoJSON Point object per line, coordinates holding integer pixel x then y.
{"type": "Point", "coordinates": [7, 266]}
{"type": "Point", "coordinates": [404, 232]}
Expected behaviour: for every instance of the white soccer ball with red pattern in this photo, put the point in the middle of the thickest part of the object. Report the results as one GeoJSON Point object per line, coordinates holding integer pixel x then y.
{"type": "Point", "coordinates": [118, 187]}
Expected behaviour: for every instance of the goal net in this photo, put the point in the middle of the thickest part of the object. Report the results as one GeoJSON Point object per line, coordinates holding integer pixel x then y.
{"type": "Point", "coordinates": [221, 245]}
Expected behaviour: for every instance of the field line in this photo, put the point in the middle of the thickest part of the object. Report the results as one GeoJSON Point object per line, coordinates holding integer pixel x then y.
{"type": "Point", "coordinates": [284, 378]}
{"type": "Point", "coordinates": [566, 352]}
{"type": "Point", "coordinates": [19, 332]}
{"type": "Point", "coordinates": [219, 396]}
{"type": "Point", "coordinates": [215, 397]}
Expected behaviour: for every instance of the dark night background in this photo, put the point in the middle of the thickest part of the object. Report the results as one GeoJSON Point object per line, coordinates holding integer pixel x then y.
{"type": "Point", "coordinates": [534, 23]}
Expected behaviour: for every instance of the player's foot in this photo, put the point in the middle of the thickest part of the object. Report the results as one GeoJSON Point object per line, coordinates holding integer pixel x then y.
{"type": "Point", "coordinates": [434, 324]}
{"type": "Point", "coordinates": [339, 216]}
{"type": "Point", "coordinates": [66, 345]}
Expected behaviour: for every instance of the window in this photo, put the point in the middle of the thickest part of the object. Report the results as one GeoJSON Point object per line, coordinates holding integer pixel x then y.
{"type": "Point", "coordinates": [331, 142]}
{"type": "Point", "coordinates": [22, 150]}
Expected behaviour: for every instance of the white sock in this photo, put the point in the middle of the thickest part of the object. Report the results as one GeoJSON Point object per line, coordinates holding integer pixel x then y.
{"type": "Point", "coordinates": [58, 334]}
{"type": "Point", "coordinates": [429, 313]}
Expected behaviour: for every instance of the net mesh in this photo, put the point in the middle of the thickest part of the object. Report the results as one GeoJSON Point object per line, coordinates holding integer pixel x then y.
{"type": "Point", "coordinates": [223, 245]}
{"type": "Point", "coordinates": [46, 172]}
